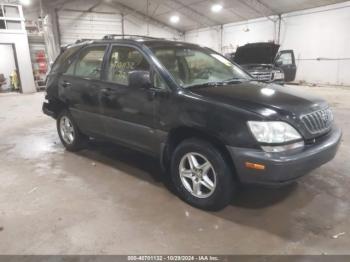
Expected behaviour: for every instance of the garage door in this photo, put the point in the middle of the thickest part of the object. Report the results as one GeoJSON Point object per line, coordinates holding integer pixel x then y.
{"type": "Point", "coordinates": [82, 25]}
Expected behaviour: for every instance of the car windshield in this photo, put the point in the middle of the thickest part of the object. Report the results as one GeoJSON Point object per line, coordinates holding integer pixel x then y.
{"type": "Point", "coordinates": [198, 66]}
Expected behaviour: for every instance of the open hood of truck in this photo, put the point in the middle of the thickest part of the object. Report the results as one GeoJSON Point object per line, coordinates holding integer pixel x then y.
{"type": "Point", "coordinates": [256, 53]}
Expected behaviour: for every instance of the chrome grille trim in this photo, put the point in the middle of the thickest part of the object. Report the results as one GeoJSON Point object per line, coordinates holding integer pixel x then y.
{"type": "Point", "coordinates": [262, 76]}
{"type": "Point", "coordinates": [318, 122]}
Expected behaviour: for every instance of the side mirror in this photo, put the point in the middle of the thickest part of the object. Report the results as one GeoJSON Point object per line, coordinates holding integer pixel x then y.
{"type": "Point", "coordinates": [140, 79]}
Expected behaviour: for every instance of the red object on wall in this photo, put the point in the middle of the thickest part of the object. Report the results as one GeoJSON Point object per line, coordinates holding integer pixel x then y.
{"type": "Point", "coordinates": [42, 67]}
{"type": "Point", "coordinates": [41, 60]}
{"type": "Point", "coordinates": [40, 56]}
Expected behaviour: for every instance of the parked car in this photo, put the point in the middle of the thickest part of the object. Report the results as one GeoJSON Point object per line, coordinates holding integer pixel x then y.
{"type": "Point", "coordinates": [265, 63]}
{"type": "Point", "coordinates": [211, 125]}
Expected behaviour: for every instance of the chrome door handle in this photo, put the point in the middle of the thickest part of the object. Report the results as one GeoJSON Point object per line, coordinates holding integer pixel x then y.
{"type": "Point", "coordinates": [66, 84]}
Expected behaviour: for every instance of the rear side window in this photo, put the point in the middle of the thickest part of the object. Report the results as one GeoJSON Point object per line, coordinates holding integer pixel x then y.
{"type": "Point", "coordinates": [63, 59]}
{"type": "Point", "coordinates": [89, 63]}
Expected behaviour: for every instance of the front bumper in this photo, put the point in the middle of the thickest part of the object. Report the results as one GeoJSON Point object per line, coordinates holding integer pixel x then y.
{"type": "Point", "coordinates": [284, 168]}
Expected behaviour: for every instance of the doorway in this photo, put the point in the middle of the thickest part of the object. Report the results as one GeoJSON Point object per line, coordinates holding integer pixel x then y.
{"type": "Point", "coordinates": [9, 74]}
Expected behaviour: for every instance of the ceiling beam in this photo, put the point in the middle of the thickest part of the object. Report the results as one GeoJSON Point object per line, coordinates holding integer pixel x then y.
{"type": "Point", "coordinates": [126, 10]}
{"type": "Point", "coordinates": [189, 12]}
{"type": "Point", "coordinates": [259, 8]}
{"type": "Point", "coordinates": [267, 7]}
{"type": "Point", "coordinates": [195, 14]}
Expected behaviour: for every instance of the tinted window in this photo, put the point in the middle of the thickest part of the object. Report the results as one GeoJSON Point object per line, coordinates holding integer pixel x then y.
{"type": "Point", "coordinates": [89, 63]}
{"type": "Point", "coordinates": [124, 60]}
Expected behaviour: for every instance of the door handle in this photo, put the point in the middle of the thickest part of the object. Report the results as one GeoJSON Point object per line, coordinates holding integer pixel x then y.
{"type": "Point", "coordinates": [66, 84]}
{"type": "Point", "coordinates": [106, 90]}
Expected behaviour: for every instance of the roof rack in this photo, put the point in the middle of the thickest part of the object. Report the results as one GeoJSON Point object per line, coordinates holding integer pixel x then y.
{"type": "Point", "coordinates": [121, 36]}
{"type": "Point", "coordinates": [83, 40]}
{"type": "Point", "coordinates": [77, 42]}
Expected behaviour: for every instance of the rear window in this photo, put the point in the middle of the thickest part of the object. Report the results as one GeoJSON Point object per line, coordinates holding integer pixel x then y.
{"type": "Point", "coordinates": [63, 59]}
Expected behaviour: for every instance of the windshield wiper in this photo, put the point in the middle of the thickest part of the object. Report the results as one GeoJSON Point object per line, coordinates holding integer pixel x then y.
{"type": "Point", "coordinates": [208, 84]}
{"type": "Point", "coordinates": [220, 83]}
{"type": "Point", "coordinates": [237, 79]}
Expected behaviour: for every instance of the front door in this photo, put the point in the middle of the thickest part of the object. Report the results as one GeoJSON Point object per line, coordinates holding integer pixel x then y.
{"type": "Point", "coordinates": [286, 60]}
{"type": "Point", "coordinates": [128, 112]}
{"type": "Point", "coordinates": [80, 86]}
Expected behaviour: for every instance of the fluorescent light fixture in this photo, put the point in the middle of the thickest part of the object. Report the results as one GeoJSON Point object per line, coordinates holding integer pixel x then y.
{"type": "Point", "coordinates": [25, 2]}
{"type": "Point", "coordinates": [216, 8]}
{"type": "Point", "coordinates": [174, 19]}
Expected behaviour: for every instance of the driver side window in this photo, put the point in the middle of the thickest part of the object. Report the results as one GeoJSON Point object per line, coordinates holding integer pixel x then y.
{"type": "Point", "coordinates": [123, 60]}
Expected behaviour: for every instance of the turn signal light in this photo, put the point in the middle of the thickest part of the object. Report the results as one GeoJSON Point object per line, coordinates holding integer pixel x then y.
{"type": "Point", "coordinates": [254, 166]}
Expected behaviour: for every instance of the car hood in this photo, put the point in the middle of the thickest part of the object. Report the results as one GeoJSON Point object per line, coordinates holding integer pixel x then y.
{"type": "Point", "coordinates": [268, 100]}
{"type": "Point", "coordinates": [257, 53]}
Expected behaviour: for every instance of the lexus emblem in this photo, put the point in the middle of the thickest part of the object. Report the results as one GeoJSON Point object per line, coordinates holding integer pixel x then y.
{"type": "Point", "coordinates": [324, 116]}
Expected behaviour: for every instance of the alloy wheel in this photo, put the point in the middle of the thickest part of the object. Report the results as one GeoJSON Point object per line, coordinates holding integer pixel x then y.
{"type": "Point", "coordinates": [67, 130]}
{"type": "Point", "coordinates": [197, 175]}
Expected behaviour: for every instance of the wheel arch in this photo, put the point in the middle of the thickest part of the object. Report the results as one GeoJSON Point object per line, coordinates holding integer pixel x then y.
{"type": "Point", "coordinates": [179, 134]}
{"type": "Point", "coordinates": [57, 106]}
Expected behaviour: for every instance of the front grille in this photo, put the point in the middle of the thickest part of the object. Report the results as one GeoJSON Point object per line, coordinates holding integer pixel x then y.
{"type": "Point", "coordinates": [262, 76]}
{"type": "Point", "coordinates": [318, 122]}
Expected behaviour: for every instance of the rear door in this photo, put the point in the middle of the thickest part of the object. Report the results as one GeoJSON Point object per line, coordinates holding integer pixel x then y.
{"type": "Point", "coordinates": [80, 87]}
{"type": "Point", "coordinates": [286, 61]}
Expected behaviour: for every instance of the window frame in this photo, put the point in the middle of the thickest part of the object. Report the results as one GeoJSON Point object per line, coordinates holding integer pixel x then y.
{"type": "Point", "coordinates": [75, 57]}
{"type": "Point", "coordinates": [12, 19]}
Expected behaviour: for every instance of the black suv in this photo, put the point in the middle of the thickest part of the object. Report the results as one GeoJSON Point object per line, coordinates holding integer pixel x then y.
{"type": "Point", "coordinates": [209, 123]}
{"type": "Point", "coordinates": [265, 63]}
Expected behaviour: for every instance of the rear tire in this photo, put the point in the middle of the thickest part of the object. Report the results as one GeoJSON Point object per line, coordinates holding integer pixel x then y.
{"type": "Point", "coordinates": [70, 136]}
{"type": "Point", "coordinates": [201, 176]}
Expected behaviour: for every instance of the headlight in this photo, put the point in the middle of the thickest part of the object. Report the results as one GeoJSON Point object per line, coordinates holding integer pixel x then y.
{"type": "Point", "coordinates": [278, 75]}
{"type": "Point", "coordinates": [274, 132]}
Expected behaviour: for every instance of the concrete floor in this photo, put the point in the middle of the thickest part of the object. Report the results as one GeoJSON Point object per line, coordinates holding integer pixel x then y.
{"type": "Point", "coordinates": [108, 200]}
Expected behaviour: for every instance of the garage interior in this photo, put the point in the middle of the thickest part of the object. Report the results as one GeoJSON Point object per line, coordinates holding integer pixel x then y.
{"type": "Point", "coordinates": [106, 199]}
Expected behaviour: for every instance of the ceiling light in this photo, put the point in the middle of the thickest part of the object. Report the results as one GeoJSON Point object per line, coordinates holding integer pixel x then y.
{"type": "Point", "coordinates": [174, 19]}
{"type": "Point", "coordinates": [216, 8]}
{"type": "Point", "coordinates": [25, 2]}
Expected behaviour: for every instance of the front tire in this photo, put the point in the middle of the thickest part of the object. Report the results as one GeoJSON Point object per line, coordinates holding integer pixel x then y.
{"type": "Point", "coordinates": [201, 176]}
{"type": "Point", "coordinates": [70, 136]}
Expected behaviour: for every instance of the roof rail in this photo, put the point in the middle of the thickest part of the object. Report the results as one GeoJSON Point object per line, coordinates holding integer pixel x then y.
{"type": "Point", "coordinates": [77, 42]}
{"type": "Point", "coordinates": [83, 40]}
{"type": "Point", "coordinates": [121, 36]}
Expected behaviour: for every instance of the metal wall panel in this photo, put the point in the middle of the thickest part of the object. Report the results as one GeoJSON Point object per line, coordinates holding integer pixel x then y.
{"type": "Point", "coordinates": [87, 25]}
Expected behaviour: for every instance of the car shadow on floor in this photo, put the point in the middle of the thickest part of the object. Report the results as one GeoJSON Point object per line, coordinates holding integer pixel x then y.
{"type": "Point", "coordinates": [279, 211]}
{"type": "Point", "coordinates": [126, 160]}
{"type": "Point", "coordinates": [147, 168]}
